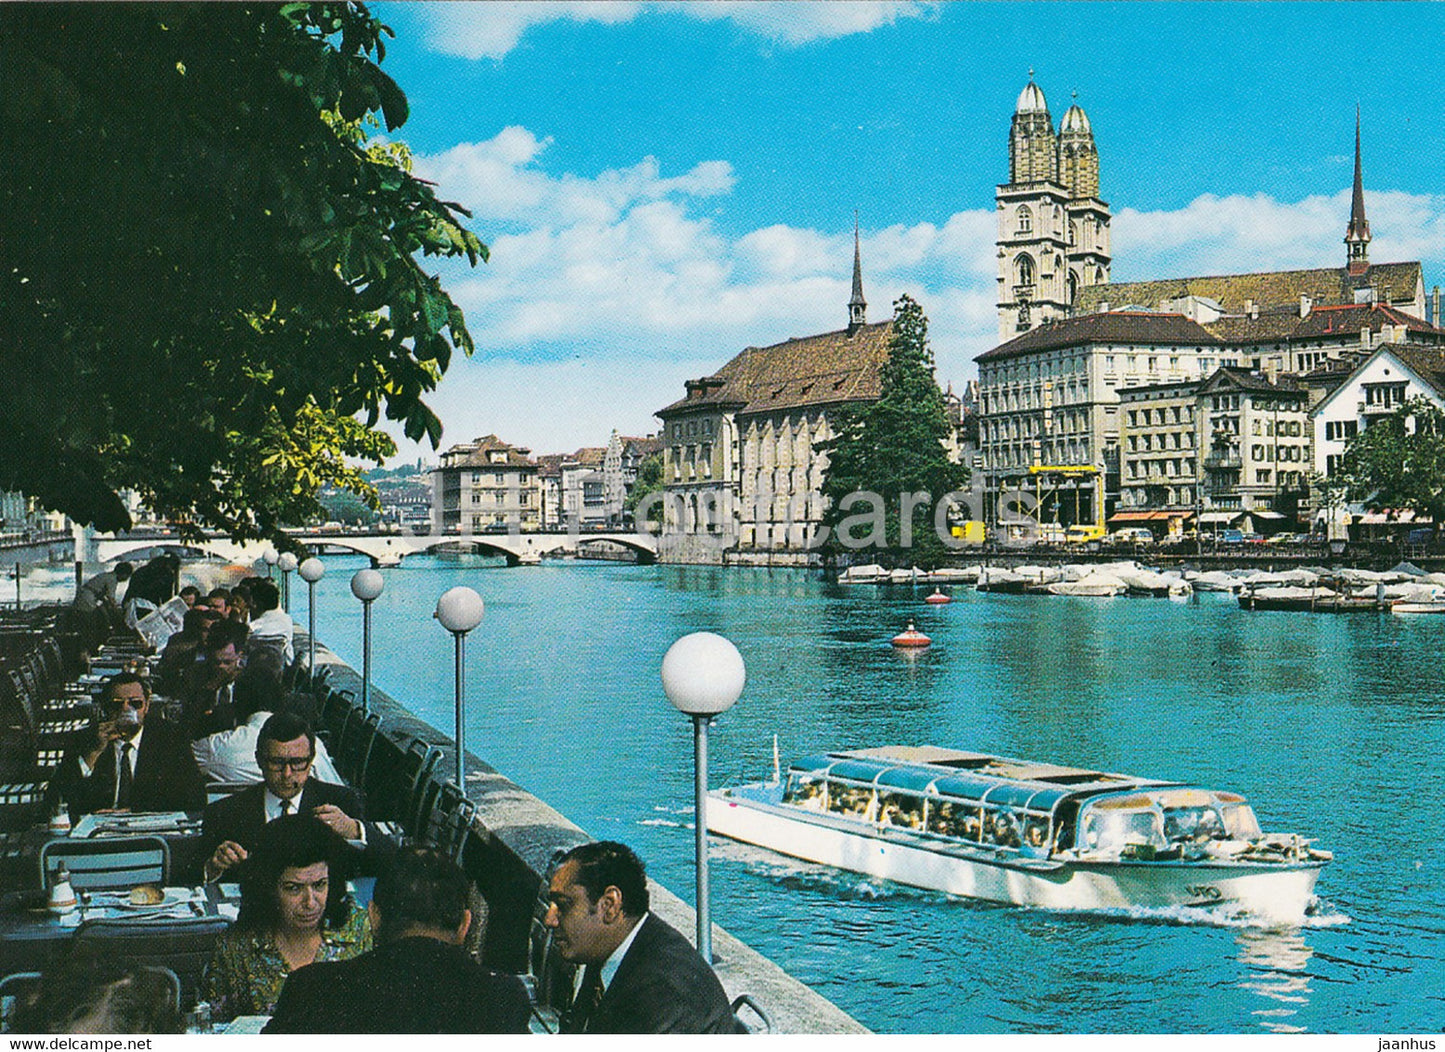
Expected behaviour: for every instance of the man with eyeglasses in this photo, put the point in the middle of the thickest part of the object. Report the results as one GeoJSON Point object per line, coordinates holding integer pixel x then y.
{"type": "Point", "coordinates": [285, 751]}
{"type": "Point", "coordinates": [126, 761]}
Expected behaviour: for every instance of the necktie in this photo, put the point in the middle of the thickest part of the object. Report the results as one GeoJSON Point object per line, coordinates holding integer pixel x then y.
{"type": "Point", "coordinates": [124, 776]}
{"type": "Point", "coordinates": [285, 808]}
{"type": "Point", "coordinates": [589, 995]}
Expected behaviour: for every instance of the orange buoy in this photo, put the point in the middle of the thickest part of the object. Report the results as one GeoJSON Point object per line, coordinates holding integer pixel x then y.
{"type": "Point", "coordinates": [911, 639]}
{"type": "Point", "coordinates": [937, 598]}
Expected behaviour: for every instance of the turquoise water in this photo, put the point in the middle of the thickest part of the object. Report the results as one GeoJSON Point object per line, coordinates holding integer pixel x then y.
{"type": "Point", "coordinates": [1332, 726]}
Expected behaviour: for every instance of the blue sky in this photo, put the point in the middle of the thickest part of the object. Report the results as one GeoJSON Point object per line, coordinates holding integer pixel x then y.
{"type": "Point", "coordinates": [662, 185]}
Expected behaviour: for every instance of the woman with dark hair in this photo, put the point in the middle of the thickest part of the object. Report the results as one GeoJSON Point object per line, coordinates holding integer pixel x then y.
{"type": "Point", "coordinates": [295, 911]}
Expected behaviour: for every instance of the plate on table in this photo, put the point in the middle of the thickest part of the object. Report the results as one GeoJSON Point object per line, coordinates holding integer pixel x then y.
{"type": "Point", "coordinates": [171, 898]}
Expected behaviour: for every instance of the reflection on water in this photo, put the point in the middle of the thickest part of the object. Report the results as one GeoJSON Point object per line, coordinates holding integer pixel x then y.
{"type": "Point", "coordinates": [1321, 721]}
{"type": "Point", "coordinates": [1277, 961]}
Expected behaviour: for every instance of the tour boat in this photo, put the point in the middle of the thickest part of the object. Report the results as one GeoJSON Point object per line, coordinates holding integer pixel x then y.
{"type": "Point", "coordinates": [1016, 831]}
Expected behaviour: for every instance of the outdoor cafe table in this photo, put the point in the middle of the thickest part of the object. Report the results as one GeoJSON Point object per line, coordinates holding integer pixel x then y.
{"type": "Point", "coordinates": [180, 830]}
{"type": "Point", "coordinates": [31, 936]}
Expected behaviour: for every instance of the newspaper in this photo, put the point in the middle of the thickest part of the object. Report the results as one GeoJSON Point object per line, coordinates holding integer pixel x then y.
{"type": "Point", "coordinates": [159, 625]}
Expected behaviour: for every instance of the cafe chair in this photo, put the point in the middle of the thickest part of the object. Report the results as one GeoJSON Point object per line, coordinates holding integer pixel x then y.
{"type": "Point", "coordinates": [15, 989]}
{"type": "Point", "coordinates": [183, 945]}
{"type": "Point", "coordinates": [110, 864]}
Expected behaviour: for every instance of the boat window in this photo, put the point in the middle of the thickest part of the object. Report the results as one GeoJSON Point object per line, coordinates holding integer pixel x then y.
{"type": "Point", "coordinates": [806, 790]}
{"type": "Point", "coordinates": [1004, 829]}
{"type": "Point", "coordinates": [1193, 825]}
{"type": "Point", "coordinates": [1110, 830]}
{"type": "Point", "coordinates": [900, 809]}
{"type": "Point", "coordinates": [1036, 835]}
{"type": "Point", "coordinates": [1240, 823]}
{"type": "Point", "coordinates": [852, 800]}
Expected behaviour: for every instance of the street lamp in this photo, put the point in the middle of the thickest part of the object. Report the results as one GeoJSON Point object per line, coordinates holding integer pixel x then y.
{"type": "Point", "coordinates": [287, 562]}
{"type": "Point", "coordinates": [311, 571]}
{"type": "Point", "coordinates": [366, 585]}
{"type": "Point", "coordinates": [270, 558]}
{"type": "Point", "coordinates": [703, 675]}
{"type": "Point", "coordinates": [460, 610]}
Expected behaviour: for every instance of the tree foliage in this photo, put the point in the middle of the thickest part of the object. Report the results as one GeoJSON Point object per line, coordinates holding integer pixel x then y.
{"type": "Point", "coordinates": [895, 446]}
{"type": "Point", "coordinates": [649, 481]}
{"type": "Point", "coordinates": [209, 274]}
{"type": "Point", "coordinates": [1399, 461]}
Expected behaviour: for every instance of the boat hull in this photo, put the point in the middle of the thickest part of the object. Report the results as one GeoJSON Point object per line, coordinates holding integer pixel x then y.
{"type": "Point", "coordinates": [1278, 892]}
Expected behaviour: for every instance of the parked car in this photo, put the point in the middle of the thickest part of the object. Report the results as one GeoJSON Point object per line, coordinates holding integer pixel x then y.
{"type": "Point", "coordinates": [1132, 535]}
{"type": "Point", "coordinates": [1231, 536]}
{"type": "Point", "coordinates": [1082, 533]}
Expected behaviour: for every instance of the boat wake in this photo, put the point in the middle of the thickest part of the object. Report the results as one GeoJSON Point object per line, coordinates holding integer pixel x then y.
{"type": "Point", "coordinates": [1318, 914]}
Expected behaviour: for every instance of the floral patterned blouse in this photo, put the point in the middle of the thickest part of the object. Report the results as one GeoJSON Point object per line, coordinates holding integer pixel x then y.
{"type": "Point", "coordinates": [247, 970]}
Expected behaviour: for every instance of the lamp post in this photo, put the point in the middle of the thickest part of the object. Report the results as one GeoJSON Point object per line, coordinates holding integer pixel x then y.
{"type": "Point", "coordinates": [287, 562]}
{"type": "Point", "coordinates": [366, 585]}
{"type": "Point", "coordinates": [270, 558]}
{"type": "Point", "coordinates": [703, 675]}
{"type": "Point", "coordinates": [460, 610]}
{"type": "Point", "coordinates": [311, 571]}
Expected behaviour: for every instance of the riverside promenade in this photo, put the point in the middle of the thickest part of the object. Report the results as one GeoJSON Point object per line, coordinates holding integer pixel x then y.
{"type": "Point", "coordinates": [514, 838]}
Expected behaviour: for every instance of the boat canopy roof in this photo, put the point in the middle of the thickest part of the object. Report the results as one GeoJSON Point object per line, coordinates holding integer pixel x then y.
{"type": "Point", "coordinates": [997, 780]}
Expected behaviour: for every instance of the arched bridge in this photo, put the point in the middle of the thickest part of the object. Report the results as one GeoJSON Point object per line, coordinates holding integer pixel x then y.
{"type": "Point", "coordinates": [381, 548]}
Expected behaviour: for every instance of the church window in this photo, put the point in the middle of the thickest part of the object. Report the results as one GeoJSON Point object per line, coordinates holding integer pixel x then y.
{"type": "Point", "coordinates": [1024, 270]}
{"type": "Point", "coordinates": [1073, 234]}
{"type": "Point", "coordinates": [1072, 287]}
{"type": "Point", "coordinates": [1025, 221]}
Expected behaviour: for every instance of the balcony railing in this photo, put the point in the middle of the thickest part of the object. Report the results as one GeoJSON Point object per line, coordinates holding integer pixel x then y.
{"type": "Point", "coordinates": [1379, 408]}
{"type": "Point", "coordinates": [1223, 460]}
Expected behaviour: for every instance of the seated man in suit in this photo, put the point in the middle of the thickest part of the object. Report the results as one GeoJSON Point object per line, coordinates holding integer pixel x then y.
{"type": "Point", "coordinates": [285, 750]}
{"type": "Point", "coordinates": [641, 976]}
{"type": "Point", "coordinates": [418, 979]}
{"type": "Point", "coordinates": [128, 761]}
{"type": "Point", "coordinates": [209, 702]}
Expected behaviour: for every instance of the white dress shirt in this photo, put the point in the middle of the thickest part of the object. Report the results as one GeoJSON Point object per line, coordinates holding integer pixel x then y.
{"type": "Point", "coordinates": [230, 756]}
{"type": "Point", "coordinates": [86, 770]}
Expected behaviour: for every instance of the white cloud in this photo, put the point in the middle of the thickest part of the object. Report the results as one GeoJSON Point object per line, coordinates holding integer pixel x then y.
{"type": "Point", "coordinates": [605, 291]}
{"type": "Point", "coordinates": [492, 30]}
{"type": "Point", "coordinates": [1239, 234]}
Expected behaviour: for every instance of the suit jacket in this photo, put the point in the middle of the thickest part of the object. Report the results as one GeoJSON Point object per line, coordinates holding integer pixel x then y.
{"type": "Point", "coordinates": [411, 986]}
{"type": "Point", "coordinates": [241, 817]}
{"type": "Point", "coordinates": [663, 986]}
{"type": "Point", "coordinates": [164, 776]}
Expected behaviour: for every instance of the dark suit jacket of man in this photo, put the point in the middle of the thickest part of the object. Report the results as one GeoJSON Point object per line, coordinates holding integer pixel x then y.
{"type": "Point", "coordinates": [410, 986]}
{"type": "Point", "coordinates": [241, 817]}
{"type": "Point", "coordinates": [164, 776]}
{"type": "Point", "coordinates": [663, 986]}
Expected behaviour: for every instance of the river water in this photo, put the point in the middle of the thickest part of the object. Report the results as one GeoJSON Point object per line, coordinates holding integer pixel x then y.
{"type": "Point", "coordinates": [1331, 725]}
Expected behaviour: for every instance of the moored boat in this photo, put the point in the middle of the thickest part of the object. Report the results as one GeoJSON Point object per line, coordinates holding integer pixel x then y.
{"type": "Point", "coordinates": [1417, 608]}
{"type": "Point", "coordinates": [1021, 832]}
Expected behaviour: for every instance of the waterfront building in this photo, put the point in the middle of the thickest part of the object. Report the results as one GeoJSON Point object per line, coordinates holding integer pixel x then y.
{"type": "Point", "coordinates": [485, 485]}
{"type": "Point", "coordinates": [582, 487]}
{"type": "Point", "coordinates": [1053, 228]}
{"type": "Point", "coordinates": [1159, 440]}
{"type": "Point", "coordinates": [1049, 406]}
{"type": "Point", "coordinates": [620, 462]}
{"type": "Point", "coordinates": [741, 465]}
{"type": "Point", "coordinates": [1391, 375]}
{"type": "Point", "coordinates": [1255, 440]}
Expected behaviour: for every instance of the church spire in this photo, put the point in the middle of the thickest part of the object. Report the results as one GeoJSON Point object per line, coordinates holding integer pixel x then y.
{"type": "Point", "coordinates": [1357, 234]}
{"type": "Point", "coordinates": [857, 306]}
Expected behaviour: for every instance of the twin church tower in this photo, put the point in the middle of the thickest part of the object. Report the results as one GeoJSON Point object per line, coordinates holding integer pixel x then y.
{"type": "Point", "coordinates": [1053, 228]}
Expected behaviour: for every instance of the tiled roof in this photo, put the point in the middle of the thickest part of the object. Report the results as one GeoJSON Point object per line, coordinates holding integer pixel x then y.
{"type": "Point", "coordinates": [550, 464]}
{"type": "Point", "coordinates": [1328, 285]}
{"type": "Point", "coordinates": [1284, 323]}
{"type": "Point", "coordinates": [642, 447]}
{"type": "Point", "coordinates": [477, 453]}
{"type": "Point", "coordinates": [1115, 327]}
{"type": "Point", "coordinates": [589, 456]}
{"type": "Point", "coordinates": [835, 367]}
{"type": "Point", "coordinates": [1225, 378]}
{"type": "Point", "coordinates": [1429, 362]}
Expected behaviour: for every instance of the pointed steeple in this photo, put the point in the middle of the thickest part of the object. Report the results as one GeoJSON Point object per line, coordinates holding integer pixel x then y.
{"type": "Point", "coordinates": [857, 306]}
{"type": "Point", "coordinates": [1357, 234]}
